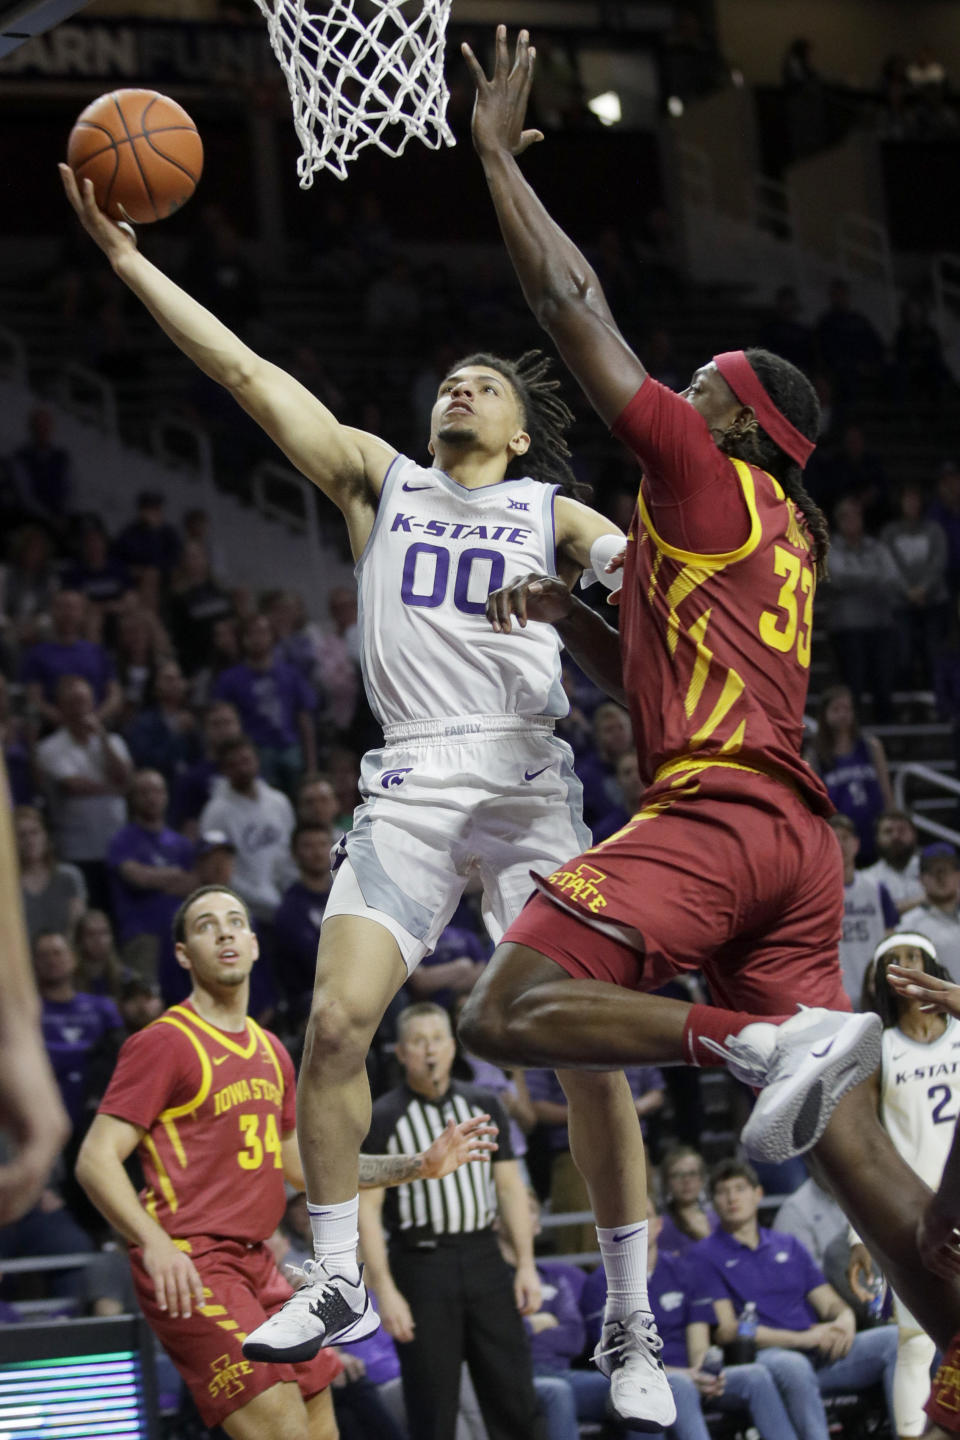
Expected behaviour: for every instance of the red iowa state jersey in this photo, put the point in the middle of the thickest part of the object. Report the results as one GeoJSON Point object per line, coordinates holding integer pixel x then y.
{"type": "Point", "coordinates": [715, 642]}
{"type": "Point", "coordinates": [214, 1105]}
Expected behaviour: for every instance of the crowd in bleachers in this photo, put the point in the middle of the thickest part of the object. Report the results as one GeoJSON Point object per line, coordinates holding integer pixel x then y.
{"type": "Point", "coordinates": [164, 727]}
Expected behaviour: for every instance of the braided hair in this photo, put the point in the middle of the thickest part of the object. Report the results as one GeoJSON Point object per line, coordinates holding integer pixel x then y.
{"type": "Point", "coordinates": [545, 416]}
{"type": "Point", "coordinates": [885, 998]}
{"type": "Point", "coordinates": [794, 397]}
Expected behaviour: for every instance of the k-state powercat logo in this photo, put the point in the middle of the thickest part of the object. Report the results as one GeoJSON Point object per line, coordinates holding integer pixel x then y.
{"type": "Point", "coordinates": [390, 778]}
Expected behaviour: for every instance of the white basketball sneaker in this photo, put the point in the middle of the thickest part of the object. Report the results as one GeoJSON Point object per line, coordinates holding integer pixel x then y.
{"type": "Point", "coordinates": [325, 1310]}
{"type": "Point", "coordinates": [629, 1355]}
{"type": "Point", "coordinates": [804, 1067]}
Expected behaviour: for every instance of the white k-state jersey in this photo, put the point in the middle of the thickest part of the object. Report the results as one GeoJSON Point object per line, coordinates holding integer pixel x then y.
{"type": "Point", "coordinates": [435, 553]}
{"type": "Point", "coordinates": [920, 1097]}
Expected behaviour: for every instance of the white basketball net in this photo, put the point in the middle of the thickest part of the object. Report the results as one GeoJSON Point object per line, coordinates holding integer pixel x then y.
{"type": "Point", "coordinates": [354, 82]}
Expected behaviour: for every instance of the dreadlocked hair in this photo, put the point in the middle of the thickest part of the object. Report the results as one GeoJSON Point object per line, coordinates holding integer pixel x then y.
{"type": "Point", "coordinates": [884, 995]}
{"type": "Point", "coordinates": [794, 397]}
{"type": "Point", "coordinates": [546, 418]}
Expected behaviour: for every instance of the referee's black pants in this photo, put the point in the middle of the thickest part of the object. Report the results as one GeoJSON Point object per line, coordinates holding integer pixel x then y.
{"type": "Point", "coordinates": [461, 1297]}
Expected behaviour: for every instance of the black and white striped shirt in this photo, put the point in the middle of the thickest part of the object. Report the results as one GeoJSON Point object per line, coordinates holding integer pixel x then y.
{"type": "Point", "coordinates": [463, 1203]}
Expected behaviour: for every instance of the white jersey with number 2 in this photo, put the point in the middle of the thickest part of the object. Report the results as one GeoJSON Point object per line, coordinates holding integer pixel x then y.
{"type": "Point", "coordinates": [435, 552]}
{"type": "Point", "coordinates": [920, 1097]}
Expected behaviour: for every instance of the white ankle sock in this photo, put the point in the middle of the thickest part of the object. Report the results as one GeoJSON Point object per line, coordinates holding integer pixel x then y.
{"type": "Point", "coordinates": [624, 1252]}
{"type": "Point", "coordinates": [335, 1237]}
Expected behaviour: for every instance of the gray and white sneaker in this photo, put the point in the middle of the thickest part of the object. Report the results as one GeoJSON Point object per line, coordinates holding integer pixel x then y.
{"type": "Point", "coordinates": [804, 1067]}
{"type": "Point", "coordinates": [325, 1310]}
{"type": "Point", "coordinates": [629, 1355]}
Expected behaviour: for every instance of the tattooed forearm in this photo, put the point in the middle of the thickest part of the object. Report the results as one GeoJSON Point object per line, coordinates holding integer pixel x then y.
{"type": "Point", "coordinates": [388, 1170]}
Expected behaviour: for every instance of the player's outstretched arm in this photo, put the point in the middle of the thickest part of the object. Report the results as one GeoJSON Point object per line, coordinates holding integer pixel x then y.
{"type": "Point", "coordinates": [561, 288]}
{"type": "Point", "coordinates": [459, 1144]}
{"type": "Point", "coordinates": [107, 1144]}
{"type": "Point", "coordinates": [31, 1110]}
{"type": "Point", "coordinates": [348, 465]}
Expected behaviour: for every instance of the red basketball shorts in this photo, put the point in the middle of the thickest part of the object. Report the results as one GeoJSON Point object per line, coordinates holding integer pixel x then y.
{"type": "Point", "coordinates": [242, 1286]}
{"type": "Point", "coordinates": [723, 870]}
{"type": "Point", "coordinates": [943, 1407]}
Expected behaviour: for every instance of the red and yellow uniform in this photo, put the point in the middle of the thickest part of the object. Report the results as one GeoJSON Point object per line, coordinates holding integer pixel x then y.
{"type": "Point", "coordinates": [214, 1106]}
{"type": "Point", "coordinates": [728, 866]}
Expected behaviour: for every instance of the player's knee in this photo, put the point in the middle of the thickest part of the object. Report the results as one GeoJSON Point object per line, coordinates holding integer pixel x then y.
{"type": "Point", "coordinates": [497, 1028]}
{"type": "Point", "coordinates": [336, 1040]}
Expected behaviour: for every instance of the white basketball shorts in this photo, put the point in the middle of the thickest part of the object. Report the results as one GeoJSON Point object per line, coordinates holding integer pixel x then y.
{"type": "Point", "coordinates": [495, 795]}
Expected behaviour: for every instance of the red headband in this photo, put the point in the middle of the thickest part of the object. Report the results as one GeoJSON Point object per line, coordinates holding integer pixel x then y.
{"type": "Point", "coordinates": [745, 384]}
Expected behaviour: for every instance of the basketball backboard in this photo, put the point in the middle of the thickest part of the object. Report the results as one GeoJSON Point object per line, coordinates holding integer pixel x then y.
{"type": "Point", "coordinates": [22, 19]}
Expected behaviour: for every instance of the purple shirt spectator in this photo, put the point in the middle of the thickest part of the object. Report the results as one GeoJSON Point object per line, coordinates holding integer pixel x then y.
{"type": "Point", "coordinates": [101, 584]}
{"type": "Point", "coordinates": [296, 933]}
{"type": "Point", "coordinates": [145, 912]}
{"type": "Point", "coordinates": [777, 1276]}
{"type": "Point", "coordinates": [192, 789]}
{"type": "Point", "coordinates": [71, 1030]}
{"type": "Point", "coordinates": [490, 1077]}
{"type": "Point", "coordinates": [455, 941]}
{"type": "Point", "coordinates": [557, 1348]}
{"type": "Point", "coordinates": [268, 701]}
{"type": "Point", "coordinates": [673, 1240]}
{"type": "Point", "coordinates": [48, 661]}
{"type": "Point", "coordinates": [544, 1085]}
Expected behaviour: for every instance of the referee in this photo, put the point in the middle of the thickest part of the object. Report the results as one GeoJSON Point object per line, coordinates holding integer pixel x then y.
{"type": "Point", "coordinates": [442, 1287]}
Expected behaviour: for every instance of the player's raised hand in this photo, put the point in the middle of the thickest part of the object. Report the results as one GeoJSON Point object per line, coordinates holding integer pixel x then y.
{"type": "Point", "coordinates": [174, 1275]}
{"type": "Point", "coordinates": [115, 240]}
{"type": "Point", "coordinates": [501, 103]}
{"type": "Point", "coordinates": [941, 996]}
{"type": "Point", "coordinates": [534, 597]}
{"type": "Point", "coordinates": [473, 1139]}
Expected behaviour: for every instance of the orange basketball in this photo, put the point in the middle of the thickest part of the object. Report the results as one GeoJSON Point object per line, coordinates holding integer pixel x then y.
{"type": "Point", "coordinates": [142, 152]}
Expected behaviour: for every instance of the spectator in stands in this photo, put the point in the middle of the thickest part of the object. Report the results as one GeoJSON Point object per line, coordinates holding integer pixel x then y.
{"type": "Point", "coordinates": [684, 1327]}
{"type": "Point", "coordinates": [193, 787]}
{"type": "Point", "coordinates": [814, 1218]}
{"type": "Point", "coordinates": [392, 303]}
{"type": "Point", "coordinates": [863, 588]}
{"type": "Point", "coordinates": [296, 926]}
{"type": "Point", "coordinates": [257, 819]}
{"type": "Point", "coordinates": [275, 705]}
{"type": "Point", "coordinates": [54, 893]}
{"type": "Point", "coordinates": [18, 738]}
{"type": "Point", "coordinates": [100, 971]}
{"type": "Point", "coordinates": [215, 859]}
{"type": "Point", "coordinates": [30, 582]}
{"type": "Point", "coordinates": [218, 273]}
{"type": "Point", "coordinates": [858, 471]}
{"type": "Point", "coordinates": [687, 1215]}
{"type": "Point", "coordinates": [151, 871]}
{"type": "Point", "coordinates": [338, 653]}
{"type": "Point", "coordinates": [806, 1334]}
{"type": "Point", "coordinates": [921, 370]}
{"type": "Point", "coordinates": [785, 334]}
{"type": "Point", "coordinates": [597, 769]}
{"type": "Point", "coordinates": [43, 473]}
{"type": "Point", "coordinates": [163, 736]}
{"type": "Point", "coordinates": [139, 1004]}
{"type": "Point", "coordinates": [852, 765]}
{"type": "Point", "coordinates": [68, 652]}
{"type": "Point", "coordinates": [919, 549]}
{"type": "Point", "coordinates": [82, 1032]}
{"type": "Point", "coordinates": [197, 603]}
{"type": "Point", "coordinates": [938, 915]}
{"type": "Point", "coordinates": [567, 1189]}
{"type": "Point", "coordinates": [945, 509]}
{"type": "Point", "coordinates": [868, 911]}
{"type": "Point", "coordinates": [142, 645]}
{"type": "Point", "coordinates": [897, 866]}
{"type": "Point", "coordinates": [97, 575]}
{"type": "Point", "coordinates": [850, 348]}
{"type": "Point", "coordinates": [317, 804]}
{"type": "Point", "coordinates": [343, 767]}
{"type": "Point", "coordinates": [631, 788]}
{"type": "Point", "coordinates": [149, 547]}
{"type": "Point", "coordinates": [87, 771]}
{"type": "Point", "coordinates": [295, 634]}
